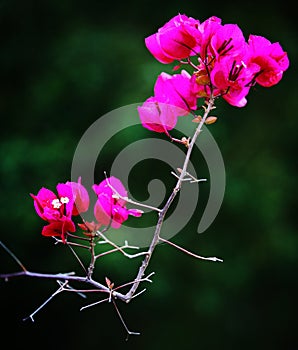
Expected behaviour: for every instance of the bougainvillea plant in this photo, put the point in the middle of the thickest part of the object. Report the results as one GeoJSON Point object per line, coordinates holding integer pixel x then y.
{"type": "Point", "coordinates": [212, 61]}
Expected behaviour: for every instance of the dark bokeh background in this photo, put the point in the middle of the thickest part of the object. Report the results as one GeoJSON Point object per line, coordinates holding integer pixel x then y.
{"type": "Point", "coordinates": [65, 63]}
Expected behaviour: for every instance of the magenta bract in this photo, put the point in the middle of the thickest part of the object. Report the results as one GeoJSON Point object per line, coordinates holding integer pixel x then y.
{"type": "Point", "coordinates": [71, 199]}
{"type": "Point", "coordinates": [59, 228]}
{"type": "Point", "coordinates": [157, 116]}
{"type": "Point", "coordinates": [80, 197]}
{"type": "Point", "coordinates": [223, 65]}
{"type": "Point", "coordinates": [177, 39]}
{"type": "Point", "coordinates": [177, 90]}
{"type": "Point", "coordinates": [270, 58]}
{"type": "Point", "coordinates": [110, 209]}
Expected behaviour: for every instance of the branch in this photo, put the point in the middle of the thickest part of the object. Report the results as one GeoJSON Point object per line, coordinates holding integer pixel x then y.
{"type": "Point", "coordinates": [162, 213]}
{"type": "Point", "coordinates": [191, 178]}
{"type": "Point", "coordinates": [58, 276]}
{"type": "Point", "coordinates": [71, 277]}
{"type": "Point", "coordinates": [98, 287]}
{"type": "Point", "coordinates": [123, 323]}
{"type": "Point", "coordinates": [190, 253]}
{"type": "Point", "coordinates": [117, 248]}
{"type": "Point", "coordinates": [145, 279]}
{"type": "Point", "coordinates": [13, 256]}
{"type": "Point", "coordinates": [59, 290]}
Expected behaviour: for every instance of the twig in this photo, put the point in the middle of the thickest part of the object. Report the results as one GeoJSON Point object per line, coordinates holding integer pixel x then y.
{"type": "Point", "coordinates": [67, 277]}
{"type": "Point", "coordinates": [191, 176]}
{"type": "Point", "coordinates": [58, 276]}
{"type": "Point", "coordinates": [191, 179]}
{"type": "Point", "coordinates": [71, 289]}
{"type": "Point", "coordinates": [93, 304]}
{"type": "Point", "coordinates": [139, 293]}
{"type": "Point", "coordinates": [122, 321]}
{"type": "Point", "coordinates": [71, 243]}
{"type": "Point", "coordinates": [188, 252]}
{"type": "Point", "coordinates": [117, 249]}
{"type": "Point", "coordinates": [13, 256]}
{"type": "Point", "coordinates": [59, 290]}
{"type": "Point", "coordinates": [145, 279]}
{"type": "Point", "coordinates": [120, 249]}
{"type": "Point", "coordinates": [77, 258]}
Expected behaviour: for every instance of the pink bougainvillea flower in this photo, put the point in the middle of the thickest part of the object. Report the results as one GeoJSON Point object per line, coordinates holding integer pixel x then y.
{"type": "Point", "coordinates": [80, 197]}
{"type": "Point", "coordinates": [59, 228]}
{"type": "Point", "coordinates": [227, 40]}
{"type": "Point", "coordinates": [218, 41]}
{"type": "Point", "coordinates": [158, 116]}
{"type": "Point", "coordinates": [177, 39]}
{"type": "Point", "coordinates": [109, 208]}
{"type": "Point", "coordinates": [178, 90]}
{"type": "Point", "coordinates": [105, 187]}
{"type": "Point", "coordinates": [207, 29]}
{"type": "Point", "coordinates": [174, 96]}
{"type": "Point", "coordinates": [232, 80]}
{"type": "Point", "coordinates": [270, 58]}
{"type": "Point", "coordinates": [55, 209]}
{"type": "Point", "coordinates": [51, 207]}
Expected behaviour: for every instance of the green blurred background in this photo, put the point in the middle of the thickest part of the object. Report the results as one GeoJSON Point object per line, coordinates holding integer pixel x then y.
{"type": "Point", "coordinates": [66, 63]}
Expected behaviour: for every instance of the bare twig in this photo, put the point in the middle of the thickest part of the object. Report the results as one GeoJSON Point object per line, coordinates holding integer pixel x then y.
{"type": "Point", "coordinates": [120, 249]}
{"type": "Point", "coordinates": [13, 256]}
{"type": "Point", "coordinates": [59, 290]}
{"type": "Point", "coordinates": [122, 321]}
{"type": "Point", "coordinates": [77, 258]}
{"type": "Point", "coordinates": [145, 279]}
{"type": "Point", "coordinates": [71, 289]}
{"type": "Point", "coordinates": [192, 178]}
{"type": "Point", "coordinates": [93, 304]}
{"type": "Point", "coordinates": [188, 252]}
{"type": "Point", "coordinates": [124, 324]}
{"type": "Point", "coordinates": [125, 246]}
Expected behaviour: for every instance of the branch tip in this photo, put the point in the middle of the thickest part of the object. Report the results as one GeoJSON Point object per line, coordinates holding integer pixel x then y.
{"type": "Point", "coordinates": [13, 256]}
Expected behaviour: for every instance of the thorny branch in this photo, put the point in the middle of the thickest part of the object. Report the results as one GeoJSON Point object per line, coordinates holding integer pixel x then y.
{"type": "Point", "coordinates": [183, 172]}
{"type": "Point", "coordinates": [99, 238]}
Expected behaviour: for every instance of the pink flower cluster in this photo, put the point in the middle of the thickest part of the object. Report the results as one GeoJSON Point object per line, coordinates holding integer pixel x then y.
{"type": "Point", "coordinates": [72, 199]}
{"type": "Point", "coordinates": [223, 64]}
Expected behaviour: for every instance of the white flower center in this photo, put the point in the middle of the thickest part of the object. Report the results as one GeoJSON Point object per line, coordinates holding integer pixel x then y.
{"type": "Point", "coordinates": [56, 203]}
{"type": "Point", "coordinates": [64, 200]}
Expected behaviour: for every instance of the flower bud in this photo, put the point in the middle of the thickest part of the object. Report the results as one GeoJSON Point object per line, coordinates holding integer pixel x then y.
{"type": "Point", "coordinates": [210, 120]}
{"type": "Point", "coordinates": [202, 78]}
{"type": "Point", "coordinates": [197, 119]}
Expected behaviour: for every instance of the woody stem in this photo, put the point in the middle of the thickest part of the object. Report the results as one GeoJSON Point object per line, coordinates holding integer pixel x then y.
{"type": "Point", "coordinates": [166, 207]}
